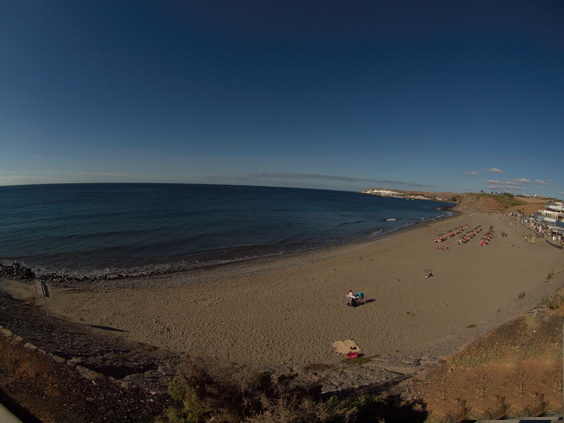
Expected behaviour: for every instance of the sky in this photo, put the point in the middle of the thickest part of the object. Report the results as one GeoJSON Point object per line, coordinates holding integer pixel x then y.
{"type": "Point", "coordinates": [458, 96]}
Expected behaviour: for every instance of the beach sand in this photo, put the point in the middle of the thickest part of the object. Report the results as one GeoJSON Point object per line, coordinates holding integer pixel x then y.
{"type": "Point", "coordinates": [289, 310]}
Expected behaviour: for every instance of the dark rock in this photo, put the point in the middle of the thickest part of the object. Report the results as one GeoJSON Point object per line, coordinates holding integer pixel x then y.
{"type": "Point", "coordinates": [16, 271]}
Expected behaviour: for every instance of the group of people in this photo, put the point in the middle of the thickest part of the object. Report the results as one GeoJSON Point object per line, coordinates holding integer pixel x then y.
{"type": "Point", "coordinates": [553, 233]}
{"type": "Point", "coordinates": [353, 299]}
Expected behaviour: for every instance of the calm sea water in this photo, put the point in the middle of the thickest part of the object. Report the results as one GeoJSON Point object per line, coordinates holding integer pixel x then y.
{"type": "Point", "coordinates": [105, 229]}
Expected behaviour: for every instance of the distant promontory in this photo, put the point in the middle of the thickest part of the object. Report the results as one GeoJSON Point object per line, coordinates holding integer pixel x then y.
{"type": "Point", "coordinates": [415, 195]}
{"type": "Point", "coordinates": [485, 202]}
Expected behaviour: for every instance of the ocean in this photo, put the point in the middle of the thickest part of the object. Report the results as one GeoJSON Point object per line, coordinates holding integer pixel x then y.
{"type": "Point", "coordinates": [104, 230]}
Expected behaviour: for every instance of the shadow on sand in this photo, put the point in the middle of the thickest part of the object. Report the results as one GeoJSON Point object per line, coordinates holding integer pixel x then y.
{"type": "Point", "coordinates": [106, 328]}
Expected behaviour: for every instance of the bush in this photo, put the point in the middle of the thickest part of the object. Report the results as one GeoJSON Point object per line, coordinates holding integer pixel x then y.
{"type": "Point", "coordinates": [521, 295]}
{"type": "Point", "coordinates": [554, 301]}
{"type": "Point", "coordinates": [358, 360]}
{"type": "Point", "coordinates": [191, 411]}
{"type": "Point", "coordinates": [231, 395]}
{"type": "Point", "coordinates": [228, 395]}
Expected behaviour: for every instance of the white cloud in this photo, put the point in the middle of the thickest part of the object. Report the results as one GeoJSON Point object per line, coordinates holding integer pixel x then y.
{"type": "Point", "coordinates": [508, 185]}
{"type": "Point", "coordinates": [505, 187]}
{"type": "Point", "coordinates": [472, 172]}
{"type": "Point", "coordinates": [517, 184]}
{"type": "Point", "coordinates": [305, 176]}
{"type": "Point", "coordinates": [56, 177]}
{"type": "Point", "coordinates": [17, 180]}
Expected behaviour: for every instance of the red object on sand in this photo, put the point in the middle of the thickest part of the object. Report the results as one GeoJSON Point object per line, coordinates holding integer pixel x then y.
{"type": "Point", "coordinates": [352, 355]}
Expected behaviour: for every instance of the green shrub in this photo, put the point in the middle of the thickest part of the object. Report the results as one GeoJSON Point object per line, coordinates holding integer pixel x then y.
{"type": "Point", "coordinates": [190, 411]}
{"type": "Point", "coordinates": [554, 301]}
{"type": "Point", "coordinates": [317, 367]}
{"type": "Point", "coordinates": [228, 395]}
{"type": "Point", "coordinates": [358, 360]}
{"type": "Point", "coordinates": [521, 295]}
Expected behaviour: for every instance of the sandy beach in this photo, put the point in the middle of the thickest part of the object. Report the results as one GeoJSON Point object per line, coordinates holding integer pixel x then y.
{"type": "Point", "coordinates": [289, 310]}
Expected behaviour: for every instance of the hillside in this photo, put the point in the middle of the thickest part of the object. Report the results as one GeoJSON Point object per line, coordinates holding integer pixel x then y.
{"type": "Point", "coordinates": [514, 370]}
{"type": "Point", "coordinates": [491, 203]}
{"type": "Point", "coordinates": [499, 204]}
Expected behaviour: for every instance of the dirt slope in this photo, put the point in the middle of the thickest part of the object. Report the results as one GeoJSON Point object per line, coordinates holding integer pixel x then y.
{"type": "Point", "coordinates": [56, 384]}
{"type": "Point", "coordinates": [474, 202]}
{"type": "Point", "coordinates": [515, 370]}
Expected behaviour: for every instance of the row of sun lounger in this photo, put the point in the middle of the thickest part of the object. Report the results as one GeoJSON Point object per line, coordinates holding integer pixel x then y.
{"type": "Point", "coordinates": [451, 233]}
{"type": "Point", "coordinates": [486, 239]}
{"type": "Point", "coordinates": [469, 235]}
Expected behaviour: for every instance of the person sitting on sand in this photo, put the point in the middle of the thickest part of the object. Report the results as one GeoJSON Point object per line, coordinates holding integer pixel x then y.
{"type": "Point", "coordinates": [350, 297]}
{"type": "Point", "coordinates": [360, 297]}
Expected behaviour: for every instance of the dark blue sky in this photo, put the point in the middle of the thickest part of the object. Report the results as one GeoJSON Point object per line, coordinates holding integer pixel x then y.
{"type": "Point", "coordinates": [449, 95]}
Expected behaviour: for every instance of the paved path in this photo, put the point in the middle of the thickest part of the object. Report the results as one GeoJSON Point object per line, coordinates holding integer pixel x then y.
{"type": "Point", "coordinates": [7, 417]}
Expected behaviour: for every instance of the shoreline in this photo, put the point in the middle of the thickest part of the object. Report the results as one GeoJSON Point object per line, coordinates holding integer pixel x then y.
{"type": "Point", "coordinates": [289, 310]}
{"type": "Point", "coordinates": [20, 271]}
{"type": "Point", "coordinates": [230, 270]}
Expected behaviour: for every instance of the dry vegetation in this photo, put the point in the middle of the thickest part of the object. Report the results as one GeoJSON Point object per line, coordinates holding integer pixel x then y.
{"type": "Point", "coordinates": [501, 203]}
{"type": "Point", "coordinates": [206, 393]}
{"type": "Point", "coordinates": [515, 370]}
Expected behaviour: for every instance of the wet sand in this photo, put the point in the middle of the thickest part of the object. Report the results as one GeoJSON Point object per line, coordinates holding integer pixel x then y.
{"type": "Point", "coordinates": [289, 310]}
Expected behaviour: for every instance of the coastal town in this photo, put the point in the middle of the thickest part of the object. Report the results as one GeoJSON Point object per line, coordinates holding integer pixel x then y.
{"type": "Point", "coordinates": [547, 223]}
{"type": "Point", "coordinates": [413, 195]}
